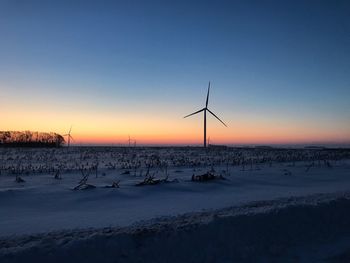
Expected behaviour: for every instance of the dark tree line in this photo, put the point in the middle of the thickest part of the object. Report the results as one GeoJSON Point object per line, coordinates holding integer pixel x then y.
{"type": "Point", "coordinates": [30, 139]}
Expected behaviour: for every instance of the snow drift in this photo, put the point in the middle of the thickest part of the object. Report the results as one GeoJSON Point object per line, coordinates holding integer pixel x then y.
{"type": "Point", "coordinates": [304, 229]}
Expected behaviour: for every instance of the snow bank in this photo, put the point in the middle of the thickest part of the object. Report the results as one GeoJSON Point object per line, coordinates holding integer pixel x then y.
{"type": "Point", "coordinates": [295, 229]}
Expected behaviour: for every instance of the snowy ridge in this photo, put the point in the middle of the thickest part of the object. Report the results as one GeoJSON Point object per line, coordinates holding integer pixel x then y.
{"type": "Point", "coordinates": [132, 243]}
{"type": "Point", "coordinates": [251, 208]}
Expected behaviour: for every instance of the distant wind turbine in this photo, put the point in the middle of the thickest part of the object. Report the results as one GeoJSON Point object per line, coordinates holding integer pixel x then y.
{"type": "Point", "coordinates": [205, 109]}
{"type": "Point", "coordinates": [129, 141]}
{"type": "Point", "coordinates": [69, 136]}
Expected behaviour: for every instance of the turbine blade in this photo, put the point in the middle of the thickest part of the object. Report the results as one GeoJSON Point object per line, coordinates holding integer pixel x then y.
{"type": "Point", "coordinates": [70, 129]}
{"type": "Point", "coordinates": [71, 137]}
{"type": "Point", "coordinates": [194, 113]}
{"type": "Point", "coordinates": [206, 103]}
{"type": "Point", "coordinates": [217, 118]}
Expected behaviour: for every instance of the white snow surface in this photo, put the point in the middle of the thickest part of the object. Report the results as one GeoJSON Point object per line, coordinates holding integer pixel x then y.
{"type": "Point", "coordinates": [43, 204]}
{"type": "Point", "coordinates": [273, 206]}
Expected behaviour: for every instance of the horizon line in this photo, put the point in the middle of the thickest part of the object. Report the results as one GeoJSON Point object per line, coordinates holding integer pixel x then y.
{"type": "Point", "coordinates": [296, 145]}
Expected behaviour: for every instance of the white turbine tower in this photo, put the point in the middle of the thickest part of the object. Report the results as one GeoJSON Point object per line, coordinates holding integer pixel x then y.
{"type": "Point", "coordinates": [205, 109]}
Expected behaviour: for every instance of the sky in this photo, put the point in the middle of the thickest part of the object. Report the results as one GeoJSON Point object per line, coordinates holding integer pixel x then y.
{"type": "Point", "coordinates": [280, 70]}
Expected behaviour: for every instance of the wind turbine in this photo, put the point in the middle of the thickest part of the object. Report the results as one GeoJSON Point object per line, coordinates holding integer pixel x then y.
{"type": "Point", "coordinates": [205, 109]}
{"type": "Point", "coordinates": [129, 141]}
{"type": "Point", "coordinates": [69, 136]}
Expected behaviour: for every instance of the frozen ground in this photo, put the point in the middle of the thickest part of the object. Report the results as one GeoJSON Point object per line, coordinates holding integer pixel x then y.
{"type": "Point", "coordinates": [262, 190]}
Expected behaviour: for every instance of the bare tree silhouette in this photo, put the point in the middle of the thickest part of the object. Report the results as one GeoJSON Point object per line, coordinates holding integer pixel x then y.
{"type": "Point", "coordinates": [30, 139]}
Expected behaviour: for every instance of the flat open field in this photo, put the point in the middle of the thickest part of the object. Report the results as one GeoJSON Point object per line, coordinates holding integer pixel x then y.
{"type": "Point", "coordinates": [161, 194]}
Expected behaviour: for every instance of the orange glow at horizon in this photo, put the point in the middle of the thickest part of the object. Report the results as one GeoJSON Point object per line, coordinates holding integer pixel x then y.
{"type": "Point", "coordinates": [169, 128]}
{"type": "Point", "coordinates": [197, 139]}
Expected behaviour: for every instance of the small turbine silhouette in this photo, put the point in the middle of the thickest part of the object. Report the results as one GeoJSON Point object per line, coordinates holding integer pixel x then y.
{"type": "Point", "coordinates": [129, 141]}
{"type": "Point", "coordinates": [69, 136]}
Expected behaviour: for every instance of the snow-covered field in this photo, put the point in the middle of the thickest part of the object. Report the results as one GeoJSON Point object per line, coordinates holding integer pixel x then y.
{"type": "Point", "coordinates": [273, 204]}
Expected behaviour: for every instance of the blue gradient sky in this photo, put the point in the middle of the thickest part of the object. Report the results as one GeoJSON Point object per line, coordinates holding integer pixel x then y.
{"type": "Point", "coordinates": [280, 70]}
